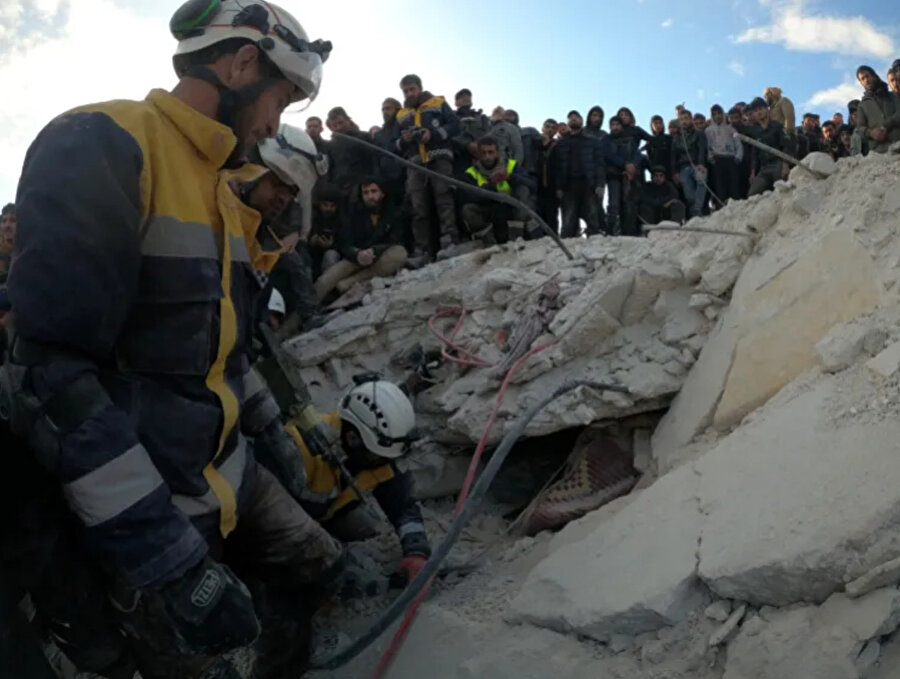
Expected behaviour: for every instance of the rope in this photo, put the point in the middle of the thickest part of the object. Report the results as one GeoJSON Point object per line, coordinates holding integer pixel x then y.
{"type": "Point", "coordinates": [492, 195]}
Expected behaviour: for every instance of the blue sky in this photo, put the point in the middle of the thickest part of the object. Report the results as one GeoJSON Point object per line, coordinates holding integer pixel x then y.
{"type": "Point", "coordinates": [540, 58]}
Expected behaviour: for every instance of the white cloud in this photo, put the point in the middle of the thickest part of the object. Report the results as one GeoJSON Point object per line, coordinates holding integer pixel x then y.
{"type": "Point", "coordinates": [836, 96]}
{"type": "Point", "coordinates": [737, 68]}
{"type": "Point", "coordinates": [701, 94]}
{"type": "Point", "coordinates": [668, 23]}
{"type": "Point", "coordinates": [803, 32]}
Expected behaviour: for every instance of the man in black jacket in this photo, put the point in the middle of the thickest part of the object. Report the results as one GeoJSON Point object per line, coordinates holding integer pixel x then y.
{"type": "Point", "coordinates": [481, 214]}
{"type": "Point", "coordinates": [547, 202]}
{"type": "Point", "coordinates": [391, 172]}
{"type": "Point", "coordinates": [659, 148]}
{"type": "Point", "coordinates": [349, 162]}
{"type": "Point", "coordinates": [622, 163]}
{"type": "Point", "coordinates": [427, 126]}
{"type": "Point", "coordinates": [736, 120]}
{"type": "Point", "coordinates": [370, 240]}
{"type": "Point", "coordinates": [689, 158]}
{"type": "Point", "coordinates": [767, 169]}
{"type": "Point", "coordinates": [580, 176]}
{"type": "Point", "coordinates": [659, 199]}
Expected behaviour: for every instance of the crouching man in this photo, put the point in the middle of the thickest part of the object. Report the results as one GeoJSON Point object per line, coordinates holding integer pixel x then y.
{"type": "Point", "coordinates": [659, 200]}
{"type": "Point", "coordinates": [486, 218]}
{"type": "Point", "coordinates": [370, 241]}
{"type": "Point", "coordinates": [375, 423]}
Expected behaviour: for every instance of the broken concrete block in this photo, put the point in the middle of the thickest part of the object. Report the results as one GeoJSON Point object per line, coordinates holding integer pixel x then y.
{"type": "Point", "coordinates": [843, 345]}
{"type": "Point", "coordinates": [868, 657]}
{"type": "Point", "coordinates": [792, 513]}
{"type": "Point", "coordinates": [728, 629]}
{"type": "Point", "coordinates": [820, 163]}
{"type": "Point", "coordinates": [887, 362]}
{"type": "Point", "coordinates": [797, 303]}
{"type": "Point", "coordinates": [633, 573]}
{"type": "Point", "coordinates": [881, 576]}
{"type": "Point", "coordinates": [718, 610]}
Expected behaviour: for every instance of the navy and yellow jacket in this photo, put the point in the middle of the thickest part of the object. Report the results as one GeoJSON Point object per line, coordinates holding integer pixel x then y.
{"type": "Point", "coordinates": [327, 496]}
{"type": "Point", "coordinates": [435, 115]}
{"type": "Point", "coordinates": [132, 264]}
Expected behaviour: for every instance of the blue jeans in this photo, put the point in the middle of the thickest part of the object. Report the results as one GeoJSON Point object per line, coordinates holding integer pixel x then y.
{"type": "Point", "coordinates": [694, 190]}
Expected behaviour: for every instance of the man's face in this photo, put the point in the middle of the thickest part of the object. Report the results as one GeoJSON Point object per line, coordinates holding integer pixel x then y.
{"type": "Point", "coordinates": [625, 117]}
{"type": "Point", "coordinates": [867, 79]}
{"type": "Point", "coordinates": [575, 122]}
{"type": "Point", "coordinates": [615, 126]}
{"type": "Point", "coordinates": [686, 121]}
{"type": "Point", "coordinates": [845, 139]}
{"type": "Point", "coordinates": [7, 230]}
{"type": "Point", "coordinates": [327, 208]}
{"type": "Point", "coordinates": [510, 117]}
{"type": "Point", "coordinates": [770, 98]}
{"type": "Point", "coordinates": [809, 124]}
{"type": "Point", "coordinates": [659, 178]}
{"type": "Point", "coordinates": [488, 156]}
{"type": "Point", "coordinates": [372, 195]}
{"type": "Point", "coordinates": [562, 129]}
{"type": "Point", "coordinates": [853, 119]}
{"type": "Point", "coordinates": [340, 124]}
{"type": "Point", "coordinates": [734, 119]}
{"type": "Point", "coordinates": [549, 129]}
{"type": "Point", "coordinates": [699, 120]}
{"type": "Point", "coordinates": [892, 80]}
{"type": "Point", "coordinates": [260, 120]}
{"type": "Point", "coordinates": [718, 117]}
{"type": "Point", "coordinates": [388, 111]}
{"type": "Point", "coordinates": [314, 128]}
{"type": "Point", "coordinates": [498, 115]}
{"type": "Point", "coordinates": [656, 126]}
{"type": "Point", "coordinates": [674, 130]}
{"type": "Point", "coordinates": [411, 92]}
{"type": "Point", "coordinates": [761, 115]}
{"type": "Point", "coordinates": [270, 196]}
{"type": "Point", "coordinates": [828, 132]}
{"type": "Point", "coordinates": [463, 101]}
{"type": "Point", "coordinates": [595, 119]}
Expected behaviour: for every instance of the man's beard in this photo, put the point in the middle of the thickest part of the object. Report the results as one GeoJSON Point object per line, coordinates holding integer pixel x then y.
{"type": "Point", "coordinates": [575, 127]}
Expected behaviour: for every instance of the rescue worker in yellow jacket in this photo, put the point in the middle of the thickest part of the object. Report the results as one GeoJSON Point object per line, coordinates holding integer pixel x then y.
{"type": "Point", "coordinates": [376, 426]}
{"type": "Point", "coordinates": [128, 370]}
{"type": "Point", "coordinates": [488, 219]}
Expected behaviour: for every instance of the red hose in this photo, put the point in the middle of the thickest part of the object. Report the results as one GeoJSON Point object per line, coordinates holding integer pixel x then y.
{"type": "Point", "coordinates": [406, 624]}
{"type": "Point", "coordinates": [462, 356]}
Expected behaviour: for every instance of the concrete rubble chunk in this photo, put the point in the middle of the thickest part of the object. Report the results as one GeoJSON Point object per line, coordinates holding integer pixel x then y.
{"type": "Point", "coordinates": [821, 163]}
{"type": "Point", "coordinates": [634, 573]}
{"type": "Point", "coordinates": [729, 627]}
{"type": "Point", "coordinates": [806, 642]}
{"type": "Point", "coordinates": [887, 362]}
{"type": "Point", "coordinates": [846, 343]}
{"type": "Point", "coordinates": [886, 574]}
{"type": "Point", "coordinates": [718, 610]}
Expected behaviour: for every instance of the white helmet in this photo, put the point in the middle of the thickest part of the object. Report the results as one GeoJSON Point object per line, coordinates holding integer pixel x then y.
{"type": "Point", "coordinates": [293, 157]}
{"type": "Point", "coordinates": [276, 303]}
{"type": "Point", "coordinates": [198, 24]}
{"type": "Point", "coordinates": [383, 415]}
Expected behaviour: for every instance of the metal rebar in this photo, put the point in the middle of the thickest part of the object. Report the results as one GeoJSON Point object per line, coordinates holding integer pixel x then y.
{"type": "Point", "coordinates": [779, 154]}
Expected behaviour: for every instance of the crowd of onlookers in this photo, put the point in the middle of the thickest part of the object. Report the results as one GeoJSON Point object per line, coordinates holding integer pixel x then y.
{"type": "Point", "coordinates": [611, 175]}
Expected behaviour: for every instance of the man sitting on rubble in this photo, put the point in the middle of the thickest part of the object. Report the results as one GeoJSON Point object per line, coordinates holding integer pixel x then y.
{"type": "Point", "coordinates": [371, 241]}
{"type": "Point", "coordinates": [376, 427]}
{"type": "Point", "coordinates": [488, 219]}
{"type": "Point", "coordinates": [659, 199]}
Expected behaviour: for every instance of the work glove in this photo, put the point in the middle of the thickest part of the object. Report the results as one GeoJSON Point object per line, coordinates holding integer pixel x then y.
{"type": "Point", "coordinates": [275, 450]}
{"type": "Point", "coordinates": [210, 610]}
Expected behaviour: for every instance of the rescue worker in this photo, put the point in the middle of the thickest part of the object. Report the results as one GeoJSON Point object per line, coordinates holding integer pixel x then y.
{"type": "Point", "coordinates": [376, 426]}
{"type": "Point", "coordinates": [135, 392]}
{"type": "Point", "coordinates": [427, 127]}
{"type": "Point", "coordinates": [488, 219]}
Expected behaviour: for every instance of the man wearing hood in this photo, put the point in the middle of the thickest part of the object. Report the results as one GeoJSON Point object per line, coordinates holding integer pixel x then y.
{"type": "Point", "coordinates": [594, 126]}
{"type": "Point", "coordinates": [579, 174]}
{"type": "Point", "coordinates": [427, 126]}
{"type": "Point", "coordinates": [781, 109]}
{"type": "Point", "coordinates": [878, 117]}
{"type": "Point", "coordinates": [349, 162]}
{"type": "Point", "coordinates": [492, 173]}
{"type": "Point", "coordinates": [659, 146]}
{"type": "Point", "coordinates": [621, 173]}
{"type": "Point", "coordinates": [370, 241]}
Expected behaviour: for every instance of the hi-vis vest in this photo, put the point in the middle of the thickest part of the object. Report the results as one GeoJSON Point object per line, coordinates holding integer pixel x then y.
{"type": "Point", "coordinates": [502, 187]}
{"type": "Point", "coordinates": [325, 492]}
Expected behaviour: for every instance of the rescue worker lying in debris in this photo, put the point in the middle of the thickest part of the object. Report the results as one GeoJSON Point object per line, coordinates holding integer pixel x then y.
{"type": "Point", "coordinates": [488, 219]}
{"type": "Point", "coordinates": [376, 427]}
{"type": "Point", "coordinates": [370, 240]}
{"type": "Point", "coordinates": [134, 392]}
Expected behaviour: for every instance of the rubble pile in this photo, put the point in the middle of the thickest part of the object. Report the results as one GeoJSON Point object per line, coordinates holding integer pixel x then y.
{"type": "Point", "coordinates": [769, 544]}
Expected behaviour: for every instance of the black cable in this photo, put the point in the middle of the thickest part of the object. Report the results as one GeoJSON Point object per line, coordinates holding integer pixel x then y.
{"type": "Point", "coordinates": [492, 195]}
{"type": "Point", "coordinates": [470, 508]}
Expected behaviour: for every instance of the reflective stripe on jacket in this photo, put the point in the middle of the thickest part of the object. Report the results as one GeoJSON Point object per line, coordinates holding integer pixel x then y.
{"type": "Point", "coordinates": [502, 187]}
{"type": "Point", "coordinates": [134, 260]}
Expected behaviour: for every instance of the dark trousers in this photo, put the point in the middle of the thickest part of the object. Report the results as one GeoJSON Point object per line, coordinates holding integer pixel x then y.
{"type": "Point", "coordinates": [548, 208]}
{"type": "Point", "coordinates": [424, 191]}
{"type": "Point", "coordinates": [580, 202]}
{"type": "Point", "coordinates": [765, 180]}
{"type": "Point", "coordinates": [725, 177]}
{"type": "Point", "coordinates": [654, 214]}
